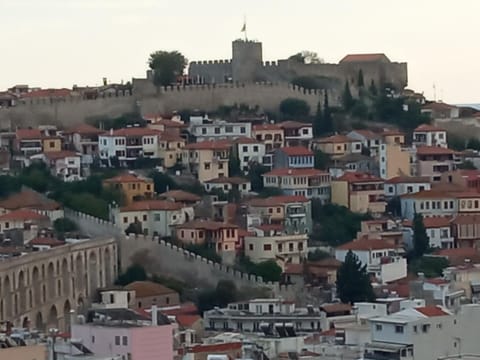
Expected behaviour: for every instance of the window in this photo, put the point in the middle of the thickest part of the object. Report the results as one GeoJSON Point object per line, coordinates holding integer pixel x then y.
{"type": "Point", "coordinates": [124, 341]}
{"type": "Point", "coordinates": [305, 131]}
{"type": "Point", "coordinates": [245, 148]}
{"type": "Point", "coordinates": [439, 326]}
{"type": "Point", "coordinates": [399, 329]}
{"type": "Point", "coordinates": [279, 210]}
{"type": "Point", "coordinates": [156, 217]}
{"type": "Point", "coordinates": [206, 166]}
{"type": "Point", "coordinates": [117, 340]}
{"type": "Point", "coordinates": [125, 220]}
{"type": "Point", "coordinates": [255, 148]}
{"type": "Point", "coordinates": [245, 159]}
{"type": "Point", "coordinates": [250, 247]}
{"type": "Point", "coordinates": [229, 129]}
{"type": "Point", "coordinates": [200, 234]}
{"type": "Point", "coordinates": [267, 247]}
{"type": "Point", "coordinates": [415, 329]}
{"type": "Point", "coordinates": [425, 328]}
{"type": "Point", "coordinates": [204, 131]}
{"type": "Point", "coordinates": [144, 217]}
{"type": "Point", "coordinates": [409, 189]}
{"type": "Point", "coordinates": [52, 144]}
{"type": "Point", "coordinates": [148, 187]}
{"type": "Point", "coordinates": [378, 327]}
{"type": "Point", "coordinates": [220, 166]}
{"type": "Point", "coordinates": [242, 130]}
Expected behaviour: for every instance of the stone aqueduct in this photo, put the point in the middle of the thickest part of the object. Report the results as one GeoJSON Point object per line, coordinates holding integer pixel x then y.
{"type": "Point", "coordinates": [40, 289]}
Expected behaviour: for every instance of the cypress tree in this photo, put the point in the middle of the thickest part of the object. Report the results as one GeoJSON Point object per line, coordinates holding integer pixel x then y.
{"type": "Point", "coordinates": [360, 81]}
{"type": "Point", "coordinates": [353, 281]}
{"type": "Point", "coordinates": [421, 241]}
{"type": "Point", "coordinates": [348, 101]}
{"type": "Point", "coordinates": [373, 88]}
{"type": "Point", "coordinates": [317, 121]}
{"type": "Point", "coordinates": [327, 116]}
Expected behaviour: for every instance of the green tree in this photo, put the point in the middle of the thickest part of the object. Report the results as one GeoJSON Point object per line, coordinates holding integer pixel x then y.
{"type": "Point", "coordinates": [360, 81]}
{"type": "Point", "coordinates": [360, 109]}
{"type": "Point", "coordinates": [64, 225]}
{"type": "Point", "coordinates": [321, 160]}
{"type": "Point", "coordinates": [347, 98]}
{"type": "Point", "coordinates": [473, 143]}
{"type": "Point", "coordinates": [318, 255]}
{"type": "Point", "coordinates": [430, 266]}
{"type": "Point", "coordinates": [306, 57]}
{"type": "Point", "coordinates": [133, 273]}
{"type": "Point", "coordinates": [372, 88]}
{"type": "Point", "coordinates": [167, 66]}
{"type": "Point", "coordinates": [234, 165]}
{"type": "Point", "coordinates": [353, 281]}
{"type": "Point", "coordinates": [134, 228]}
{"type": "Point", "coordinates": [318, 121]}
{"type": "Point", "coordinates": [234, 195]}
{"type": "Point", "coordinates": [420, 237]}
{"type": "Point", "coordinates": [467, 165]}
{"type": "Point", "coordinates": [268, 270]}
{"type": "Point", "coordinates": [328, 125]}
{"type": "Point", "coordinates": [226, 293]}
{"type": "Point", "coordinates": [294, 108]}
{"type": "Point", "coordinates": [255, 173]}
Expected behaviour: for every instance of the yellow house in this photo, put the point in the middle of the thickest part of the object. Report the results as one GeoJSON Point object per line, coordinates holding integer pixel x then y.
{"type": "Point", "coordinates": [359, 192]}
{"type": "Point", "coordinates": [393, 137]}
{"type": "Point", "coordinates": [271, 135]}
{"type": "Point", "coordinates": [170, 149]}
{"type": "Point", "coordinates": [207, 159]}
{"type": "Point", "coordinates": [337, 145]}
{"type": "Point", "coordinates": [132, 187]}
{"type": "Point", "coordinates": [394, 161]}
{"type": "Point", "coordinates": [51, 143]}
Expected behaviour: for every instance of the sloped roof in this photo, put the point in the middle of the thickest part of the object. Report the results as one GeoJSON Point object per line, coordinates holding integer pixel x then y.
{"type": "Point", "coordinates": [187, 321]}
{"type": "Point", "coordinates": [293, 125]}
{"type": "Point", "coordinates": [336, 139]}
{"type": "Point", "coordinates": [296, 151]}
{"type": "Point", "coordinates": [206, 225]}
{"type": "Point", "coordinates": [366, 244]}
{"type": "Point", "coordinates": [364, 58]}
{"type": "Point", "coordinates": [56, 155]}
{"type": "Point", "coordinates": [434, 150]}
{"type": "Point", "coordinates": [408, 180]}
{"type": "Point", "coordinates": [148, 288]}
{"type": "Point", "coordinates": [428, 127]}
{"type": "Point", "coordinates": [46, 241]}
{"type": "Point", "coordinates": [147, 205]}
{"type": "Point", "coordinates": [84, 129]}
{"type": "Point", "coordinates": [180, 196]}
{"type": "Point", "coordinates": [356, 177]}
{"type": "Point", "coordinates": [432, 311]}
{"type": "Point", "coordinates": [210, 145]}
{"type": "Point", "coordinates": [264, 127]}
{"type": "Point", "coordinates": [22, 215]}
{"type": "Point", "coordinates": [28, 134]}
{"type": "Point", "coordinates": [295, 172]}
{"type": "Point", "coordinates": [29, 199]}
{"type": "Point", "coordinates": [278, 200]}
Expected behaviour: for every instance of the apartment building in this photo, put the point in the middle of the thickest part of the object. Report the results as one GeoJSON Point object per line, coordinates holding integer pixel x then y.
{"type": "Point", "coordinates": [428, 203]}
{"type": "Point", "coordinates": [395, 160]}
{"type": "Point", "coordinates": [429, 135]}
{"type": "Point", "coordinates": [242, 185]}
{"type": "Point", "coordinates": [402, 185]}
{"type": "Point", "coordinates": [391, 137]}
{"type": "Point", "coordinates": [295, 157]}
{"type": "Point", "coordinates": [83, 139]}
{"type": "Point", "coordinates": [310, 183]}
{"type": "Point", "coordinates": [438, 231]}
{"type": "Point", "coordinates": [272, 242]}
{"type": "Point", "coordinates": [381, 258]}
{"type": "Point", "coordinates": [433, 161]}
{"type": "Point", "coordinates": [468, 179]}
{"type": "Point", "coordinates": [66, 165]}
{"type": "Point", "coordinates": [369, 140]}
{"type": "Point", "coordinates": [360, 192]}
{"type": "Point", "coordinates": [156, 217]}
{"type": "Point", "coordinates": [128, 144]}
{"type": "Point", "coordinates": [269, 134]}
{"type": "Point", "coordinates": [297, 133]}
{"type": "Point", "coordinates": [466, 231]}
{"type": "Point", "coordinates": [208, 159]}
{"type": "Point", "coordinates": [170, 149]}
{"type": "Point", "coordinates": [204, 129]}
{"type": "Point", "coordinates": [337, 145]}
{"type": "Point", "coordinates": [132, 186]}
{"type": "Point", "coordinates": [248, 151]}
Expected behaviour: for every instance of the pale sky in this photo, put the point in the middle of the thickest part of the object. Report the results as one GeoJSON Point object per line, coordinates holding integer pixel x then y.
{"type": "Point", "coordinates": [58, 43]}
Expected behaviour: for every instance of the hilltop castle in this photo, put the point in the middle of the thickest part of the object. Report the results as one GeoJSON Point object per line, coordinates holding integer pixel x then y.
{"type": "Point", "coordinates": [247, 66]}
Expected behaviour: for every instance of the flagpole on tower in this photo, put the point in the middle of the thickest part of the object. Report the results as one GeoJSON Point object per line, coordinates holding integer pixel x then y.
{"type": "Point", "coordinates": [244, 28]}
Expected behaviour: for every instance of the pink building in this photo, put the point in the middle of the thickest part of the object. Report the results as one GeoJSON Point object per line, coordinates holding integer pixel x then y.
{"type": "Point", "coordinates": [131, 339]}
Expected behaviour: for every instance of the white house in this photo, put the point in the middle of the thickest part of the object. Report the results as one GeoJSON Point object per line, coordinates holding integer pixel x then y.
{"type": "Point", "coordinates": [369, 139]}
{"type": "Point", "coordinates": [128, 144]}
{"type": "Point", "coordinates": [297, 133]}
{"type": "Point", "coordinates": [66, 165]}
{"type": "Point", "coordinates": [205, 129]}
{"type": "Point", "coordinates": [380, 256]}
{"type": "Point", "coordinates": [428, 203]}
{"type": "Point", "coordinates": [226, 184]}
{"type": "Point", "coordinates": [249, 151]}
{"type": "Point", "coordinates": [402, 185]}
{"type": "Point", "coordinates": [438, 230]}
{"type": "Point", "coordinates": [428, 135]}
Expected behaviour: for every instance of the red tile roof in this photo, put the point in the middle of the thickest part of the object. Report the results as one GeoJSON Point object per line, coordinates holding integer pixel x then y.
{"type": "Point", "coordinates": [408, 180]}
{"type": "Point", "coordinates": [236, 180]}
{"type": "Point", "coordinates": [466, 219]}
{"type": "Point", "coordinates": [432, 311]}
{"type": "Point", "coordinates": [29, 199]}
{"type": "Point", "coordinates": [56, 155]}
{"type": "Point", "coordinates": [84, 129]}
{"type": "Point", "coordinates": [428, 128]}
{"type": "Point", "coordinates": [28, 134]}
{"type": "Point", "coordinates": [147, 205]}
{"type": "Point", "coordinates": [266, 127]}
{"type": "Point", "coordinates": [187, 321]}
{"type": "Point", "coordinates": [364, 58]}
{"type": "Point", "coordinates": [295, 172]}
{"type": "Point", "coordinates": [200, 224]}
{"type": "Point", "coordinates": [293, 125]}
{"type": "Point", "coordinates": [246, 140]}
{"type": "Point", "coordinates": [148, 288]}
{"type": "Point", "coordinates": [357, 177]}
{"type": "Point", "coordinates": [210, 145]}
{"type": "Point", "coordinates": [470, 174]}
{"type": "Point", "coordinates": [368, 134]}
{"type": "Point", "coordinates": [335, 308]}
{"type": "Point", "coordinates": [132, 131]}
{"type": "Point", "coordinates": [180, 196]}
{"type": "Point", "coordinates": [278, 200]}
{"type": "Point", "coordinates": [336, 139]}
{"type": "Point", "coordinates": [170, 137]}
{"type": "Point", "coordinates": [46, 241]}
{"type": "Point", "coordinates": [47, 93]}
{"type": "Point", "coordinates": [126, 178]}
{"type": "Point", "coordinates": [434, 150]}
{"type": "Point", "coordinates": [458, 256]}
{"type": "Point", "coordinates": [188, 308]}
{"type": "Point", "coordinates": [366, 244]}
{"type": "Point", "coordinates": [296, 151]}
{"type": "Point", "coordinates": [437, 221]}
{"type": "Point", "coordinates": [437, 281]}
{"type": "Point", "coordinates": [22, 215]}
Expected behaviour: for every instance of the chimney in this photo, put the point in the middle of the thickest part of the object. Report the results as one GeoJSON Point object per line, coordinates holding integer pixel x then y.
{"type": "Point", "coordinates": [154, 315]}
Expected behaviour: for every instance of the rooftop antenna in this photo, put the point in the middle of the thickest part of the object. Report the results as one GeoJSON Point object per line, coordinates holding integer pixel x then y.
{"type": "Point", "coordinates": [434, 92]}
{"type": "Point", "coordinates": [244, 27]}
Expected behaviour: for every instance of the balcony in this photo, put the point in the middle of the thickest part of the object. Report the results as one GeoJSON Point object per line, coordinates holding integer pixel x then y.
{"type": "Point", "coordinates": [296, 212]}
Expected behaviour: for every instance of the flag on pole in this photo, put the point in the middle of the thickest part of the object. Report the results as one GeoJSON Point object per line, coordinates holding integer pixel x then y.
{"type": "Point", "coordinates": [244, 27]}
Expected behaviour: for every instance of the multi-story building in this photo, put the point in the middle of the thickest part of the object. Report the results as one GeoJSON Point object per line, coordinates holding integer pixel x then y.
{"type": "Point", "coordinates": [83, 138]}
{"type": "Point", "coordinates": [360, 192]}
{"type": "Point", "coordinates": [149, 294]}
{"type": "Point", "coordinates": [248, 151]}
{"type": "Point", "coordinates": [29, 199]}
{"type": "Point", "coordinates": [292, 212]}
{"type": "Point", "coordinates": [274, 316]}
{"type": "Point", "coordinates": [270, 134]}
{"type": "Point", "coordinates": [22, 219]}
{"type": "Point", "coordinates": [208, 130]}
{"type": "Point", "coordinates": [170, 149]}
{"type": "Point", "coordinates": [380, 257]}
{"type": "Point", "coordinates": [128, 144]}
{"type": "Point", "coordinates": [401, 185]}
{"type": "Point", "coordinates": [433, 161]}
{"type": "Point", "coordinates": [391, 137]}
{"type": "Point", "coordinates": [428, 203]}
{"type": "Point", "coordinates": [438, 230]}
{"type": "Point", "coordinates": [225, 184]}
{"type": "Point", "coordinates": [157, 217]}
{"type": "Point", "coordinates": [132, 186]}
{"type": "Point", "coordinates": [28, 142]}
{"type": "Point", "coordinates": [466, 231]}
{"type": "Point", "coordinates": [218, 235]}
{"type": "Point", "coordinates": [441, 110]}
{"type": "Point", "coordinates": [394, 160]}
{"type": "Point", "coordinates": [66, 165]}
{"type": "Point", "coordinates": [207, 159]}
{"type": "Point", "coordinates": [355, 163]}
{"type": "Point", "coordinates": [272, 242]}
{"type": "Point", "coordinates": [428, 135]}
{"type": "Point", "coordinates": [310, 183]}
{"type": "Point", "coordinates": [468, 179]}
{"type": "Point", "coordinates": [295, 157]}
{"type": "Point", "coordinates": [369, 139]}
{"type": "Point", "coordinates": [297, 133]}
{"type": "Point", "coordinates": [127, 333]}
{"type": "Point", "coordinates": [424, 333]}
{"type": "Point", "coordinates": [337, 145]}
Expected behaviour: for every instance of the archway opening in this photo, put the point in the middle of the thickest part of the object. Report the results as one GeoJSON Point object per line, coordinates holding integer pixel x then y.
{"type": "Point", "coordinates": [51, 281]}
{"type": "Point", "coordinates": [53, 317]}
{"type": "Point", "coordinates": [66, 315]}
{"type": "Point", "coordinates": [26, 323]}
{"type": "Point", "coordinates": [65, 278]}
{"type": "Point", "coordinates": [39, 325]}
{"type": "Point", "coordinates": [92, 273]}
{"type": "Point", "coordinates": [37, 294]}
{"type": "Point", "coordinates": [22, 292]}
{"type": "Point", "coordinates": [7, 295]}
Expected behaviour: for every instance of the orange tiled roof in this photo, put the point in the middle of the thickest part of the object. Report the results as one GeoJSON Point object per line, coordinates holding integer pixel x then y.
{"type": "Point", "coordinates": [278, 200]}
{"type": "Point", "coordinates": [466, 219]}
{"type": "Point", "coordinates": [408, 180]}
{"type": "Point", "coordinates": [295, 172]}
{"type": "Point", "coordinates": [180, 196]}
{"type": "Point", "coordinates": [210, 145]}
{"type": "Point", "coordinates": [55, 155]}
{"type": "Point", "coordinates": [29, 199]}
{"type": "Point", "coordinates": [170, 137]}
{"type": "Point", "coordinates": [28, 134]}
{"type": "Point", "coordinates": [147, 205]}
{"type": "Point", "coordinates": [125, 178]}
{"type": "Point", "coordinates": [432, 311]}
{"type": "Point", "coordinates": [434, 150]}
{"type": "Point", "coordinates": [335, 308]}
{"type": "Point", "coordinates": [264, 127]}
{"type": "Point", "coordinates": [293, 125]}
{"type": "Point", "coordinates": [296, 151]}
{"type": "Point", "coordinates": [356, 177]}
{"type": "Point", "coordinates": [363, 57]}
{"type": "Point", "coordinates": [132, 131]}
{"type": "Point", "coordinates": [148, 288]}
{"type": "Point", "coordinates": [437, 221]}
{"type": "Point", "coordinates": [46, 241]}
{"type": "Point", "coordinates": [84, 129]}
{"type": "Point", "coordinates": [428, 128]}
{"type": "Point", "coordinates": [187, 321]}
{"type": "Point", "coordinates": [336, 139]}
{"type": "Point", "coordinates": [22, 215]}
{"type": "Point", "coordinates": [366, 244]}
{"type": "Point", "coordinates": [206, 225]}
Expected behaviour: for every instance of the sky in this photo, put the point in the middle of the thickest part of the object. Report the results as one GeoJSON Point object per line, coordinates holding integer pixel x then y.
{"type": "Point", "coordinates": [59, 43]}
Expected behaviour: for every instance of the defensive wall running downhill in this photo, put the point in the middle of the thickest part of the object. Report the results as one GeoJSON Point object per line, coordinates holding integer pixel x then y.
{"type": "Point", "coordinates": [69, 111]}
{"type": "Point", "coordinates": [163, 258]}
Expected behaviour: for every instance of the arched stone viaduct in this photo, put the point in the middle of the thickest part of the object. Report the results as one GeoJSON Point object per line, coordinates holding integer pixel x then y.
{"type": "Point", "coordinates": [38, 290]}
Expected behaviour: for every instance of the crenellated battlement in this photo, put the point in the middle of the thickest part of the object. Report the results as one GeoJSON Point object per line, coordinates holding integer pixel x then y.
{"type": "Point", "coordinates": [210, 62]}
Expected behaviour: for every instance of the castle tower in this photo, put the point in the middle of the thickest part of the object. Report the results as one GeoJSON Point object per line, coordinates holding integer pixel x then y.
{"type": "Point", "coordinates": [247, 60]}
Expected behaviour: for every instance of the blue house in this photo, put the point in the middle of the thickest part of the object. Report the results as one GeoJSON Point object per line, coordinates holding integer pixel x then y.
{"type": "Point", "coordinates": [295, 157]}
